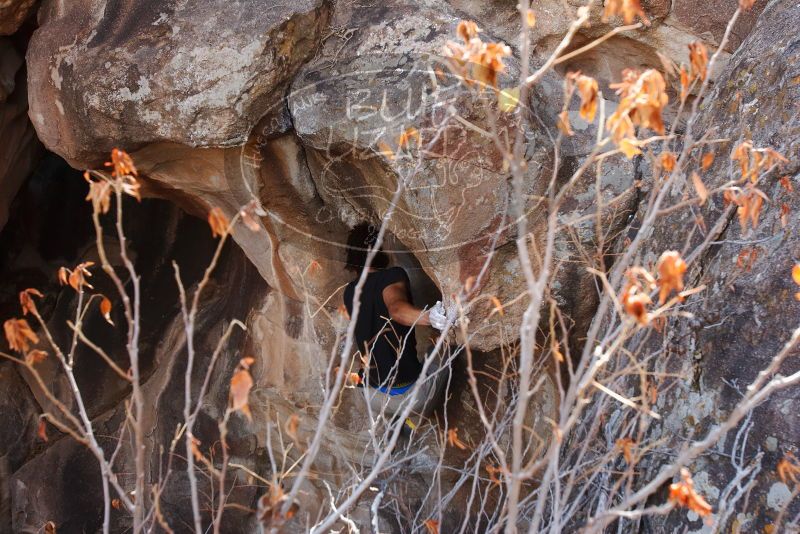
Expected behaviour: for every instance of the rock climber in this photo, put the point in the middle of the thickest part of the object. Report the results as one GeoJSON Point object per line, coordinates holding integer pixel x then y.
{"type": "Point", "coordinates": [384, 331]}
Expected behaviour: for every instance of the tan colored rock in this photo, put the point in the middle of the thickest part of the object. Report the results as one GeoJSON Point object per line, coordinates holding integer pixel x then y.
{"type": "Point", "coordinates": [298, 256]}
{"type": "Point", "coordinates": [357, 97]}
{"type": "Point", "coordinates": [708, 20]}
{"type": "Point", "coordinates": [199, 73]}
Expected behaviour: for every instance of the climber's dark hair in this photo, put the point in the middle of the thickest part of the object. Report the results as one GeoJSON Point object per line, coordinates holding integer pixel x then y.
{"type": "Point", "coordinates": [362, 237]}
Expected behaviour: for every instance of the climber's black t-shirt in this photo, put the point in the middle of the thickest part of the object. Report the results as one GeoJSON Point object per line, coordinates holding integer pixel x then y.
{"type": "Point", "coordinates": [387, 340]}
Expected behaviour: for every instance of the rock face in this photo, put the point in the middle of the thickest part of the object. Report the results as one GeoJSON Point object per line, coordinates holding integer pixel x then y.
{"type": "Point", "coordinates": [299, 107]}
{"type": "Point", "coordinates": [58, 480]}
{"type": "Point", "coordinates": [749, 310]}
{"type": "Point", "coordinates": [365, 88]}
{"type": "Point", "coordinates": [162, 91]}
{"type": "Point", "coordinates": [199, 73]}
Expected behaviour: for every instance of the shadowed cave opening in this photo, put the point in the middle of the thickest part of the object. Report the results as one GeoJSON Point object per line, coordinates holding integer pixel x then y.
{"type": "Point", "coordinates": [49, 227]}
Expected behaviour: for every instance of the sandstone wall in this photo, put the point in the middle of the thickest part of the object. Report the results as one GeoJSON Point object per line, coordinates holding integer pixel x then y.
{"type": "Point", "coordinates": [221, 103]}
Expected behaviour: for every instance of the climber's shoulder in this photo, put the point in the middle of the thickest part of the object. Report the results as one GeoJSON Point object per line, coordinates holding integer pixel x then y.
{"type": "Point", "coordinates": [393, 275]}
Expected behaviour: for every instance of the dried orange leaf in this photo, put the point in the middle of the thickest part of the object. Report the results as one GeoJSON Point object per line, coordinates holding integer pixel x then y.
{"type": "Point", "coordinates": [796, 273]}
{"type": "Point", "coordinates": [683, 494]}
{"type": "Point", "coordinates": [353, 379]}
{"type": "Point", "coordinates": [385, 150]}
{"type": "Point", "coordinates": [105, 309]}
{"type": "Point", "coordinates": [452, 439]}
{"type": "Point", "coordinates": [19, 334]}
{"type": "Point", "coordinates": [588, 90]}
{"type": "Point", "coordinates": [218, 222]}
{"type": "Point", "coordinates": [629, 147]}
{"type": "Point", "coordinates": [26, 300]}
{"type": "Point", "coordinates": [635, 303]}
{"type": "Point", "coordinates": [474, 60]}
{"type": "Point", "coordinates": [684, 76]}
{"type": "Point", "coordinates": [627, 9]}
{"type": "Point", "coordinates": [563, 123]}
{"type": "Point", "coordinates": [699, 188]}
{"type": "Point", "coordinates": [467, 30]}
{"type": "Point", "coordinates": [292, 425]}
{"type": "Point", "coordinates": [671, 269]}
{"type": "Point", "coordinates": [643, 97]}
{"type": "Point", "coordinates": [668, 161]}
{"type": "Point", "coordinates": [63, 276]}
{"type": "Point", "coordinates": [122, 163]}
{"type": "Point", "coordinates": [626, 445]}
{"type": "Point", "coordinates": [99, 194]}
{"type": "Point", "coordinates": [195, 446]}
{"type": "Point", "coordinates": [789, 470]}
{"type": "Point", "coordinates": [130, 186]}
{"type": "Point", "coordinates": [241, 384]}
{"type": "Point", "coordinates": [707, 160]}
{"type": "Point", "coordinates": [32, 357]}
{"type": "Point", "coordinates": [77, 279]}
{"type": "Point", "coordinates": [653, 389]}
{"type": "Point", "coordinates": [498, 306]}
{"type": "Point", "coordinates": [406, 137]}
{"type": "Point", "coordinates": [432, 526]}
{"type": "Point", "coordinates": [530, 18]}
{"type": "Point", "coordinates": [698, 60]}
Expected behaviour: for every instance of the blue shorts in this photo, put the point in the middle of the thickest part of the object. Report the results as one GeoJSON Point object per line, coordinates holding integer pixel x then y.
{"type": "Point", "coordinates": [396, 391]}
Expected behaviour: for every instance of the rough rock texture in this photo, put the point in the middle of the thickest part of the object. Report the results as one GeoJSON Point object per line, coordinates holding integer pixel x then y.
{"type": "Point", "coordinates": [748, 312]}
{"type": "Point", "coordinates": [367, 85]}
{"type": "Point", "coordinates": [708, 20]}
{"type": "Point", "coordinates": [275, 174]}
{"type": "Point", "coordinates": [131, 73]}
{"type": "Point", "coordinates": [222, 103]}
{"type": "Point", "coordinates": [13, 13]}
{"type": "Point", "coordinates": [58, 480]}
{"type": "Point", "coordinates": [164, 89]}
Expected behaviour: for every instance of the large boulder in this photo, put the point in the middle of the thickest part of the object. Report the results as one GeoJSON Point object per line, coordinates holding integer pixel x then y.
{"type": "Point", "coordinates": [297, 253]}
{"type": "Point", "coordinates": [373, 81]}
{"type": "Point", "coordinates": [748, 310]}
{"type": "Point", "coordinates": [369, 81]}
{"type": "Point", "coordinates": [199, 73]}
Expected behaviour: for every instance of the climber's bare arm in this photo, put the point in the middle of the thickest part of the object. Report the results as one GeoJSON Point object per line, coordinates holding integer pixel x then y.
{"type": "Point", "coordinates": [400, 310]}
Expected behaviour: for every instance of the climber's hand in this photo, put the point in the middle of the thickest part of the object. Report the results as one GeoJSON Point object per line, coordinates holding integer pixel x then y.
{"type": "Point", "coordinates": [438, 316]}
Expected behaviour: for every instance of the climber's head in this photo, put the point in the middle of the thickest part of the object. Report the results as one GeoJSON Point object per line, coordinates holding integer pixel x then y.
{"type": "Point", "coordinates": [362, 237]}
